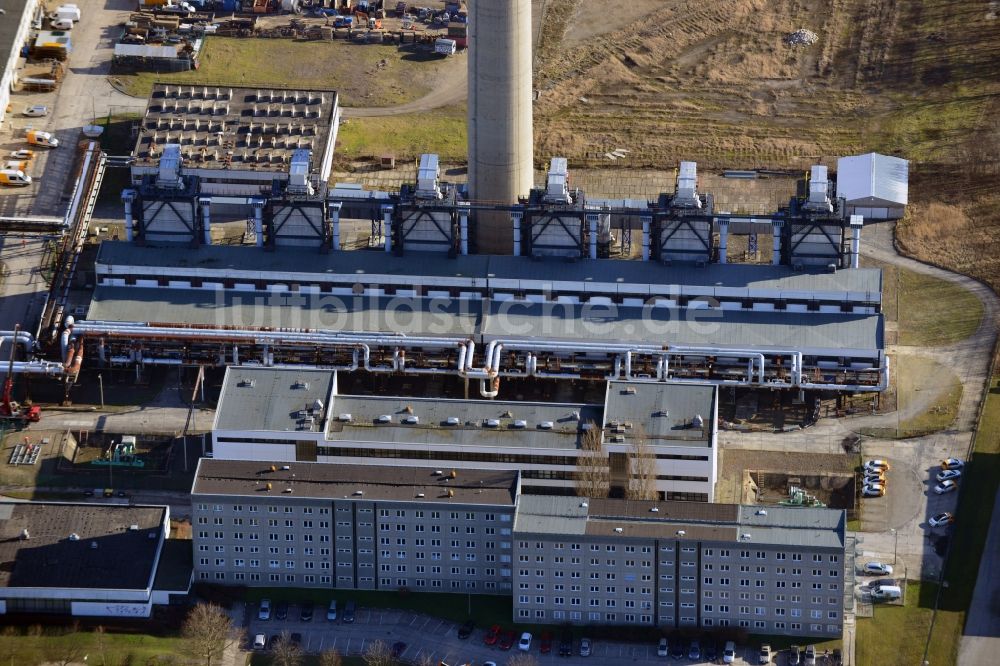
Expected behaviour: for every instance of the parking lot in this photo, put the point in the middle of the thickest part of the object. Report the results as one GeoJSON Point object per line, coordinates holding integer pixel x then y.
{"type": "Point", "coordinates": [432, 640]}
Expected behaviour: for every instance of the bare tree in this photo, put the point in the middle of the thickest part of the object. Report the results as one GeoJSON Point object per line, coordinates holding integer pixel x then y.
{"type": "Point", "coordinates": [330, 658]}
{"type": "Point", "coordinates": [522, 660]}
{"type": "Point", "coordinates": [286, 652]}
{"type": "Point", "coordinates": [642, 468]}
{"type": "Point", "coordinates": [64, 652]}
{"type": "Point", "coordinates": [427, 659]}
{"type": "Point", "coordinates": [592, 473]}
{"type": "Point", "coordinates": [208, 631]}
{"type": "Point", "coordinates": [378, 654]}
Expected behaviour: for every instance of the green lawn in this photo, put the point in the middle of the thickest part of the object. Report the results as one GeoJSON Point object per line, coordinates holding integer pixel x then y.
{"type": "Point", "coordinates": [362, 74]}
{"type": "Point", "coordinates": [35, 646]}
{"type": "Point", "coordinates": [407, 136]}
{"type": "Point", "coordinates": [934, 312]}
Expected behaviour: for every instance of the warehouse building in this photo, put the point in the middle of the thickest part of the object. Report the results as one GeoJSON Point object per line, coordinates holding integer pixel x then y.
{"type": "Point", "coordinates": [874, 186]}
{"type": "Point", "coordinates": [777, 571]}
{"type": "Point", "coordinates": [87, 559]}
{"type": "Point", "coordinates": [18, 17]}
{"type": "Point", "coordinates": [353, 526]}
{"type": "Point", "coordinates": [292, 415]}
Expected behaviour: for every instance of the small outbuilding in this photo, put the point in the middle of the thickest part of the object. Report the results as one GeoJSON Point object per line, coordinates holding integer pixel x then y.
{"type": "Point", "coordinates": [874, 186]}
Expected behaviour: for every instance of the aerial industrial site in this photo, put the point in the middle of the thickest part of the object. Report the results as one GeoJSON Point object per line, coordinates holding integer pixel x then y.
{"type": "Point", "coordinates": [544, 331]}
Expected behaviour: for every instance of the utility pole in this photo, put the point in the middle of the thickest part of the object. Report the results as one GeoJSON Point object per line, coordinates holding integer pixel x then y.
{"type": "Point", "coordinates": [895, 542]}
{"type": "Point", "coordinates": [100, 381]}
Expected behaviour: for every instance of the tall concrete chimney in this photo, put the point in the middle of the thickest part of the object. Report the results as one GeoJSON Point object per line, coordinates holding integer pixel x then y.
{"type": "Point", "coordinates": [501, 154]}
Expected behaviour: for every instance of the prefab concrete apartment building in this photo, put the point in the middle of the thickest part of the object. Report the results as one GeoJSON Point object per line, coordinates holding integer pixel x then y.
{"type": "Point", "coordinates": [564, 559]}
{"type": "Point", "coordinates": [297, 415]}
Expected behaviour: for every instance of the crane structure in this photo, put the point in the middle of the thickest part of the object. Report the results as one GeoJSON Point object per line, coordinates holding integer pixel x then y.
{"type": "Point", "coordinates": [9, 409]}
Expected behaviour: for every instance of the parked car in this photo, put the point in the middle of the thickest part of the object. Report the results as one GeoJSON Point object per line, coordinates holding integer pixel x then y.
{"type": "Point", "coordinates": [545, 643]}
{"type": "Point", "coordinates": [873, 490]}
{"type": "Point", "coordinates": [694, 651]}
{"type": "Point", "coordinates": [493, 635]}
{"type": "Point", "coordinates": [887, 593]}
{"type": "Point", "coordinates": [711, 653]}
{"type": "Point", "coordinates": [259, 642]}
{"type": "Point", "coordinates": [306, 611]}
{"type": "Point", "coordinates": [677, 649]}
{"type": "Point", "coordinates": [566, 645]}
{"type": "Point", "coordinates": [525, 643]}
{"type": "Point", "coordinates": [946, 474]}
{"type": "Point", "coordinates": [878, 465]}
{"type": "Point", "coordinates": [810, 657]}
{"type": "Point", "coordinates": [837, 657]}
{"type": "Point", "coordinates": [331, 611]}
{"type": "Point", "coordinates": [585, 647]}
{"type": "Point", "coordinates": [945, 487]}
{"type": "Point", "coordinates": [877, 569]}
{"type": "Point", "coordinates": [765, 654]}
{"type": "Point", "coordinates": [398, 648]}
{"type": "Point", "coordinates": [281, 611]}
{"type": "Point", "coordinates": [37, 111]}
{"type": "Point", "coordinates": [466, 629]}
{"type": "Point", "coordinates": [874, 480]}
{"type": "Point", "coordinates": [941, 519]}
{"type": "Point", "coordinates": [264, 612]}
{"type": "Point", "coordinates": [61, 24]}
{"type": "Point", "coordinates": [349, 609]}
{"type": "Point", "coordinates": [729, 653]}
{"type": "Point", "coordinates": [22, 154]}
{"type": "Point", "coordinates": [793, 656]}
{"type": "Point", "coordinates": [663, 648]}
{"type": "Point", "coordinates": [506, 641]}
{"type": "Point", "coordinates": [952, 463]}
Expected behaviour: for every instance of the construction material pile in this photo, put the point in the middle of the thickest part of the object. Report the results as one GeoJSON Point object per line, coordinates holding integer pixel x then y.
{"type": "Point", "coordinates": [802, 37]}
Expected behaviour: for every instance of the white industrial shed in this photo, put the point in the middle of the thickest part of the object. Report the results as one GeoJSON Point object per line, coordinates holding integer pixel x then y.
{"type": "Point", "coordinates": [875, 186]}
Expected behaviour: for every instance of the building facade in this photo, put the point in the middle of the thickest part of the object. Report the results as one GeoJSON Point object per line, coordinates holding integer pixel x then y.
{"type": "Point", "coordinates": [774, 571]}
{"type": "Point", "coordinates": [353, 527]}
{"type": "Point", "coordinates": [291, 415]}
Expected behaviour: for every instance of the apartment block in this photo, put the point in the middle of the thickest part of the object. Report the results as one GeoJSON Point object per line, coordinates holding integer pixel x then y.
{"type": "Point", "coordinates": [773, 570]}
{"type": "Point", "coordinates": [353, 526]}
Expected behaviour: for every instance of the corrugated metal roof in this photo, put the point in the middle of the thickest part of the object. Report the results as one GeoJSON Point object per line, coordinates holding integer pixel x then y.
{"type": "Point", "coordinates": [873, 179]}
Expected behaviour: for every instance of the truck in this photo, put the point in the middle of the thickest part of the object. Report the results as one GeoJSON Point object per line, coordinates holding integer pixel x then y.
{"type": "Point", "coordinates": [40, 138]}
{"type": "Point", "coordinates": [14, 178]}
{"type": "Point", "coordinates": [887, 593]}
{"type": "Point", "coordinates": [445, 47]}
{"type": "Point", "coordinates": [65, 12]}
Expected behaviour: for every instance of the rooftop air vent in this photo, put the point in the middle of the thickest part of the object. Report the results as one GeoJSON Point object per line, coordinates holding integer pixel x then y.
{"type": "Point", "coordinates": [519, 423]}
{"type": "Point", "coordinates": [654, 509]}
{"type": "Point", "coordinates": [681, 533]}
{"type": "Point", "coordinates": [317, 405]}
{"type": "Point", "coordinates": [287, 490]}
{"type": "Point", "coordinates": [74, 536]}
{"type": "Point", "coordinates": [491, 423]}
{"type": "Point", "coordinates": [575, 416]}
{"type": "Point", "coordinates": [617, 439]}
{"type": "Point", "coordinates": [761, 512]}
{"type": "Point", "coordinates": [24, 534]}
{"type": "Point", "coordinates": [438, 472]}
{"type": "Point", "coordinates": [508, 414]}
{"type": "Point", "coordinates": [412, 419]}
{"type": "Point", "coordinates": [744, 537]}
{"type": "Point", "coordinates": [629, 390]}
{"type": "Point", "coordinates": [420, 494]}
{"type": "Point", "coordinates": [545, 425]}
{"type": "Point", "coordinates": [384, 418]}
{"type": "Point", "coordinates": [697, 421]}
{"type": "Point", "coordinates": [133, 528]}
{"type": "Point", "coordinates": [299, 384]}
{"type": "Point", "coordinates": [344, 417]}
{"type": "Point", "coordinates": [408, 409]}
{"type": "Point", "coordinates": [583, 505]}
{"type": "Point", "coordinates": [451, 493]}
{"type": "Point", "coordinates": [453, 420]}
{"type": "Point", "coordinates": [285, 468]}
{"type": "Point", "coordinates": [359, 492]}
{"type": "Point", "coordinates": [618, 530]}
{"type": "Point", "coordinates": [246, 383]}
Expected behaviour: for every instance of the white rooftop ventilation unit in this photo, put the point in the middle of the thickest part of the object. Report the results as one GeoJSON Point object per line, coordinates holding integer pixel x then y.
{"type": "Point", "coordinates": [819, 191]}
{"type": "Point", "coordinates": [453, 420]}
{"type": "Point", "coordinates": [686, 194]}
{"type": "Point", "coordinates": [428, 173]}
{"type": "Point", "coordinates": [557, 182]}
{"type": "Point", "coordinates": [298, 172]}
{"type": "Point", "coordinates": [169, 176]}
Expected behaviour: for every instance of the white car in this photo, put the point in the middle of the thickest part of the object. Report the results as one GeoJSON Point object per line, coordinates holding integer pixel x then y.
{"type": "Point", "coordinates": [952, 463]}
{"type": "Point", "coordinates": [525, 643]}
{"type": "Point", "coordinates": [259, 642]}
{"type": "Point", "coordinates": [945, 487]}
{"type": "Point", "coordinates": [878, 465]}
{"type": "Point", "coordinates": [264, 612]}
{"type": "Point", "coordinates": [946, 474]}
{"type": "Point", "coordinates": [878, 569]}
{"type": "Point", "coordinates": [729, 653]}
{"type": "Point", "coordinates": [941, 519]}
{"type": "Point", "coordinates": [873, 490]}
{"type": "Point", "coordinates": [36, 111]}
{"type": "Point", "coordinates": [22, 154]}
{"type": "Point", "coordinates": [663, 649]}
{"type": "Point", "coordinates": [62, 24]}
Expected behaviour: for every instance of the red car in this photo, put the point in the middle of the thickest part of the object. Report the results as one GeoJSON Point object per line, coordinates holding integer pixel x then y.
{"type": "Point", "coordinates": [507, 640]}
{"type": "Point", "coordinates": [546, 643]}
{"type": "Point", "coordinates": [492, 635]}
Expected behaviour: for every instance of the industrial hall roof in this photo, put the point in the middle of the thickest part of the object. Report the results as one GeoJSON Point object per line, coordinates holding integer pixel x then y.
{"type": "Point", "coordinates": [102, 546]}
{"type": "Point", "coordinates": [324, 481]}
{"type": "Point", "coordinates": [273, 399]}
{"type": "Point", "coordinates": [220, 127]}
{"type": "Point", "coordinates": [873, 180]}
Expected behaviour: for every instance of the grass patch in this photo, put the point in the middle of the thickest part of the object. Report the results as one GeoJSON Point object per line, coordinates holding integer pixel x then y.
{"type": "Point", "coordinates": [916, 377]}
{"type": "Point", "coordinates": [362, 74]}
{"type": "Point", "coordinates": [486, 609]}
{"type": "Point", "coordinates": [307, 660]}
{"type": "Point", "coordinates": [36, 645]}
{"type": "Point", "coordinates": [929, 311]}
{"type": "Point", "coordinates": [407, 137]}
{"type": "Point", "coordinates": [896, 634]}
